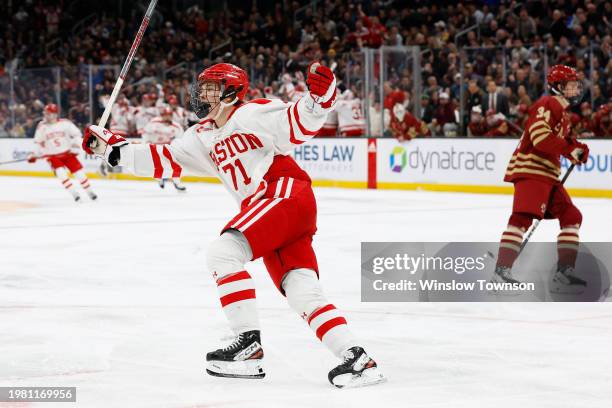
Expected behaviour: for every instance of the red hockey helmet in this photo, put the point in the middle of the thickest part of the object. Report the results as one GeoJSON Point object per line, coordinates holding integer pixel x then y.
{"type": "Point", "coordinates": [557, 79]}
{"type": "Point", "coordinates": [234, 80]}
{"type": "Point", "coordinates": [561, 74]}
{"type": "Point", "coordinates": [51, 112]}
{"type": "Point", "coordinates": [51, 108]}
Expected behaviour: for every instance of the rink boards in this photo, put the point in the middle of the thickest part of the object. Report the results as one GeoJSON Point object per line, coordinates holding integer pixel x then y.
{"type": "Point", "coordinates": [463, 165]}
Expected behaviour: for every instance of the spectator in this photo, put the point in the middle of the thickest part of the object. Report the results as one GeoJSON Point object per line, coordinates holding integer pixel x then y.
{"type": "Point", "coordinates": [494, 100]}
{"type": "Point", "coordinates": [475, 96]}
{"type": "Point", "coordinates": [526, 26]}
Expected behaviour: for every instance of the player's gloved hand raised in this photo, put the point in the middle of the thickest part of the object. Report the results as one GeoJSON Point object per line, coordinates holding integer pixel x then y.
{"type": "Point", "coordinates": [103, 143]}
{"type": "Point", "coordinates": [578, 153]}
{"type": "Point", "coordinates": [32, 158]}
{"type": "Point", "coordinates": [321, 84]}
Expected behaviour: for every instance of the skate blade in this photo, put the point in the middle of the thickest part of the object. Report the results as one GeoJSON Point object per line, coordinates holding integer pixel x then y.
{"type": "Point", "coordinates": [236, 369]}
{"type": "Point", "coordinates": [370, 376]}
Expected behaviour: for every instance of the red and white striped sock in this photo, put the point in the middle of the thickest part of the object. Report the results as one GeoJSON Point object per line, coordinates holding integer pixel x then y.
{"type": "Point", "coordinates": [509, 247]}
{"type": "Point", "coordinates": [67, 183]}
{"type": "Point", "coordinates": [85, 184]}
{"type": "Point", "coordinates": [237, 295]}
{"type": "Point", "coordinates": [331, 328]}
{"type": "Point", "coordinates": [568, 243]}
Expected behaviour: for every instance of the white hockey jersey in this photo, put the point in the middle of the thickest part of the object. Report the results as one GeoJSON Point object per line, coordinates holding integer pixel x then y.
{"type": "Point", "coordinates": [159, 131]}
{"type": "Point", "coordinates": [180, 116]}
{"type": "Point", "coordinates": [122, 119]}
{"type": "Point", "coordinates": [143, 115]}
{"type": "Point", "coordinates": [351, 121]}
{"type": "Point", "coordinates": [57, 138]}
{"type": "Point", "coordinates": [258, 134]}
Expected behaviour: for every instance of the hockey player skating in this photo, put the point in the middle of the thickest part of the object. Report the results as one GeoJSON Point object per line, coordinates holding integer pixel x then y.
{"type": "Point", "coordinates": [534, 169]}
{"type": "Point", "coordinates": [163, 130]}
{"type": "Point", "coordinates": [58, 141]}
{"type": "Point", "coordinates": [247, 146]}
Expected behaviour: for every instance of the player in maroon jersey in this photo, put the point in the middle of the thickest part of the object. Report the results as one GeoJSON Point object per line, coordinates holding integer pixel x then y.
{"type": "Point", "coordinates": [534, 170]}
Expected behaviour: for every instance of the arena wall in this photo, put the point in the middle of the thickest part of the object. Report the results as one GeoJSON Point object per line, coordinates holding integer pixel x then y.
{"type": "Point", "coordinates": [462, 165]}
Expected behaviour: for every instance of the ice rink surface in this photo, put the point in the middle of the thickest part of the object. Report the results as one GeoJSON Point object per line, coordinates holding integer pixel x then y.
{"type": "Point", "coordinates": [113, 297]}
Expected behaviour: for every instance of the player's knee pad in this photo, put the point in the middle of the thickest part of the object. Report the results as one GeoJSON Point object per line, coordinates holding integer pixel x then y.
{"type": "Point", "coordinates": [521, 220]}
{"type": "Point", "coordinates": [61, 173]}
{"type": "Point", "coordinates": [570, 217]}
{"type": "Point", "coordinates": [228, 253]}
{"type": "Point", "coordinates": [303, 290]}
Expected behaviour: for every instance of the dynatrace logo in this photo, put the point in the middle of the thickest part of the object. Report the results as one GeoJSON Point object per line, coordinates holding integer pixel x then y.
{"type": "Point", "coordinates": [424, 160]}
{"type": "Point", "coordinates": [398, 159]}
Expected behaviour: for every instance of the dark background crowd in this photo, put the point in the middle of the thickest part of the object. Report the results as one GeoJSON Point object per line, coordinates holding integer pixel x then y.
{"type": "Point", "coordinates": [482, 63]}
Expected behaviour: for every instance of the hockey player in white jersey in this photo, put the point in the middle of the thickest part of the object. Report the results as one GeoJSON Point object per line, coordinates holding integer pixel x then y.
{"type": "Point", "coordinates": [179, 114]}
{"type": "Point", "coordinates": [292, 92]}
{"type": "Point", "coordinates": [163, 130]}
{"type": "Point", "coordinates": [351, 121]}
{"type": "Point", "coordinates": [122, 117]}
{"type": "Point", "coordinates": [58, 141]}
{"type": "Point", "coordinates": [146, 112]}
{"type": "Point", "coordinates": [248, 145]}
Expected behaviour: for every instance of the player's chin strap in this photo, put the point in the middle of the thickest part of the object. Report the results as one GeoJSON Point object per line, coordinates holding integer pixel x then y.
{"type": "Point", "coordinates": [571, 100]}
{"type": "Point", "coordinates": [226, 93]}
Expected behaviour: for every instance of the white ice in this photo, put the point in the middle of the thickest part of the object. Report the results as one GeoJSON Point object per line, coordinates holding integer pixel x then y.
{"type": "Point", "coordinates": [113, 297]}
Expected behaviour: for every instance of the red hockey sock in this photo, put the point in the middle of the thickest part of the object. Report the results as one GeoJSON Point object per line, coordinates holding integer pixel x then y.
{"type": "Point", "coordinates": [509, 246]}
{"type": "Point", "coordinates": [567, 245]}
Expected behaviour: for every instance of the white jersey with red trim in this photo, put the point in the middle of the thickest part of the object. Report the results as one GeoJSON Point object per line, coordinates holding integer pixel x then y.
{"type": "Point", "coordinates": [180, 115]}
{"type": "Point", "coordinates": [159, 131]}
{"type": "Point", "coordinates": [240, 153]}
{"type": "Point", "coordinates": [122, 119]}
{"type": "Point", "coordinates": [58, 137]}
{"type": "Point", "coordinates": [351, 120]}
{"type": "Point", "coordinates": [143, 115]}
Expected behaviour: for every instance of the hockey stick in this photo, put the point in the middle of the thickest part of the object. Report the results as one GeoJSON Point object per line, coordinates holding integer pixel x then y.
{"type": "Point", "coordinates": [537, 222]}
{"type": "Point", "coordinates": [127, 63]}
{"type": "Point", "coordinates": [13, 161]}
{"type": "Point", "coordinates": [44, 156]}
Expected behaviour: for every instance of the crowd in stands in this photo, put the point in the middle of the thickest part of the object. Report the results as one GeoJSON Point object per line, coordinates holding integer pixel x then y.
{"type": "Point", "coordinates": [476, 82]}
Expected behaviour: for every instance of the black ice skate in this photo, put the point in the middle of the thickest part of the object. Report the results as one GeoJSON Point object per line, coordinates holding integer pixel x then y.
{"type": "Point", "coordinates": [357, 370]}
{"type": "Point", "coordinates": [241, 359]}
{"type": "Point", "coordinates": [92, 195]}
{"type": "Point", "coordinates": [162, 183]}
{"type": "Point", "coordinates": [503, 274]}
{"type": "Point", "coordinates": [565, 282]}
{"type": "Point", "coordinates": [179, 186]}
